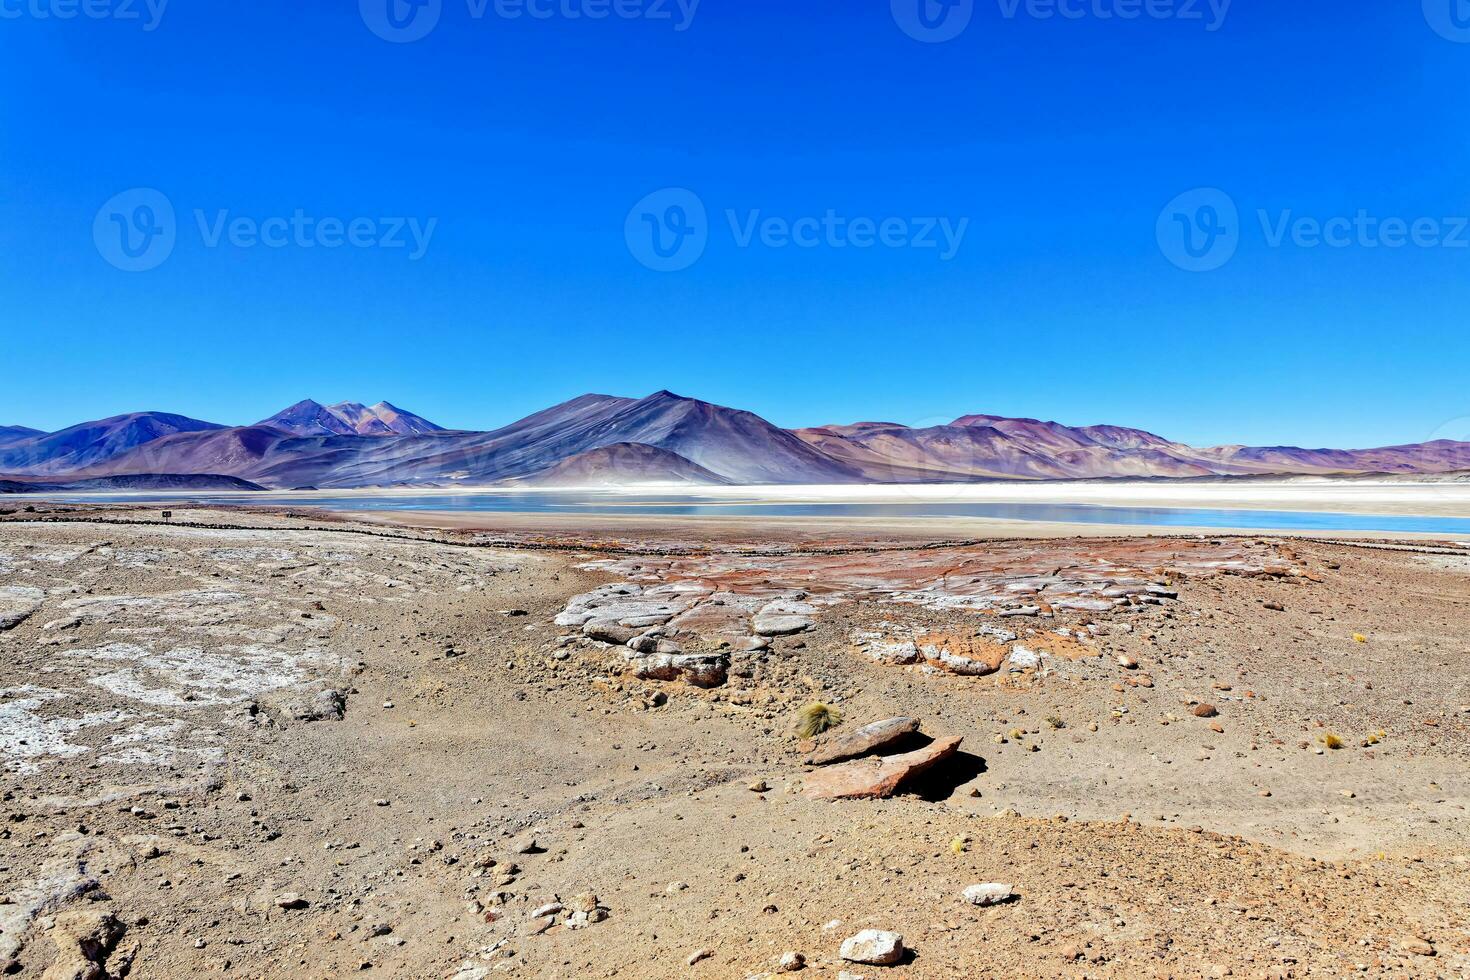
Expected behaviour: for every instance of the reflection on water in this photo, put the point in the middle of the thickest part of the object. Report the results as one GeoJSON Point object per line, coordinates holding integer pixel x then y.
{"type": "Point", "coordinates": [695, 505]}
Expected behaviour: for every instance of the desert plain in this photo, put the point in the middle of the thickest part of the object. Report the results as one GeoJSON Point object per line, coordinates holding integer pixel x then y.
{"type": "Point", "coordinates": [261, 742]}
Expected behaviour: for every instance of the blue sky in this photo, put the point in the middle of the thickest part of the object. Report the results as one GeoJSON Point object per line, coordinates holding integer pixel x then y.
{"type": "Point", "coordinates": [519, 147]}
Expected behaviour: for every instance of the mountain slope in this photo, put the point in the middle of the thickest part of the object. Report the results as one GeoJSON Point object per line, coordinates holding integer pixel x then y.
{"type": "Point", "coordinates": [624, 464]}
{"type": "Point", "coordinates": [94, 443]}
{"type": "Point", "coordinates": [17, 433]}
{"type": "Point", "coordinates": [732, 443]}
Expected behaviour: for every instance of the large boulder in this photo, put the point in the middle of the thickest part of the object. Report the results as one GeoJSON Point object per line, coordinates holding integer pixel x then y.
{"type": "Point", "coordinates": [877, 777]}
{"type": "Point", "coordinates": [869, 738]}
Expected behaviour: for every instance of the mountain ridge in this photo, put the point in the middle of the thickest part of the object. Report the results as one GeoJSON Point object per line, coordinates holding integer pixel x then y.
{"type": "Point", "coordinates": [681, 438]}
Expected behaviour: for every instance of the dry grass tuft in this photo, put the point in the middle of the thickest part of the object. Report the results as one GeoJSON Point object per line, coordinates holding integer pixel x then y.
{"type": "Point", "coordinates": [1056, 723]}
{"type": "Point", "coordinates": [815, 718]}
{"type": "Point", "coordinates": [1331, 740]}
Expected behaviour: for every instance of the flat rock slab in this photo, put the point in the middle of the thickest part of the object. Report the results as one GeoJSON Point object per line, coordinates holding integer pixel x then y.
{"type": "Point", "coordinates": [869, 738]}
{"type": "Point", "coordinates": [780, 624]}
{"type": "Point", "coordinates": [17, 603]}
{"type": "Point", "coordinates": [877, 777]}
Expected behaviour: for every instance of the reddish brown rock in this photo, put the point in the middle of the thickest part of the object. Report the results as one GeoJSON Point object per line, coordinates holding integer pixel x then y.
{"type": "Point", "coordinates": [1205, 711]}
{"type": "Point", "coordinates": [973, 656]}
{"type": "Point", "coordinates": [877, 777]}
{"type": "Point", "coordinates": [869, 738]}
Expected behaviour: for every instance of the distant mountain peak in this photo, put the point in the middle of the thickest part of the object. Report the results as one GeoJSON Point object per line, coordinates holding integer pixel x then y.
{"type": "Point", "coordinates": [309, 417]}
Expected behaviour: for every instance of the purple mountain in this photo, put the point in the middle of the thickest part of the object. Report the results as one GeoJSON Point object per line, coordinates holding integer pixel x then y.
{"type": "Point", "coordinates": [664, 437]}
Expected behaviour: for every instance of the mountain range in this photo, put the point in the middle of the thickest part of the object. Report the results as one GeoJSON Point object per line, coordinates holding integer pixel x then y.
{"type": "Point", "coordinates": [663, 438]}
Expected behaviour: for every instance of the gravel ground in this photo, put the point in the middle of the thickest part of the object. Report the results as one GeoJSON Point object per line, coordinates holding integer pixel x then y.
{"type": "Point", "coordinates": [287, 748]}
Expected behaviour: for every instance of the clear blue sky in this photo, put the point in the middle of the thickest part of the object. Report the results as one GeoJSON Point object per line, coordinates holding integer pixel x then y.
{"type": "Point", "coordinates": [529, 140]}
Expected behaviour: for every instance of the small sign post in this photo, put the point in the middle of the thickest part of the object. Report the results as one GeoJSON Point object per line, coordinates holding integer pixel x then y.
{"type": "Point", "coordinates": [168, 515]}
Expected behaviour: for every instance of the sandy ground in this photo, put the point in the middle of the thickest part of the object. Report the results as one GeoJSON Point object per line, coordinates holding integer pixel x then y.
{"type": "Point", "coordinates": [291, 747]}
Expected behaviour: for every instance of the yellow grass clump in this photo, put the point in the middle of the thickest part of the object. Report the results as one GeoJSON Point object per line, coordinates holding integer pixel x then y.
{"type": "Point", "coordinates": [815, 718]}
{"type": "Point", "coordinates": [1331, 741]}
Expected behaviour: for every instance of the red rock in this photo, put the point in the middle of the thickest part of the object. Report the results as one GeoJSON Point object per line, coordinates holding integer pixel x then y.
{"type": "Point", "coordinates": [1205, 711]}
{"type": "Point", "coordinates": [869, 738]}
{"type": "Point", "coordinates": [877, 777]}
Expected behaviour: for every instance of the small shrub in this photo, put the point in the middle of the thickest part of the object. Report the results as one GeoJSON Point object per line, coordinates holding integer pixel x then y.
{"type": "Point", "coordinates": [815, 718]}
{"type": "Point", "coordinates": [1056, 723]}
{"type": "Point", "coordinates": [1017, 734]}
{"type": "Point", "coordinates": [1331, 740]}
{"type": "Point", "coordinates": [959, 845]}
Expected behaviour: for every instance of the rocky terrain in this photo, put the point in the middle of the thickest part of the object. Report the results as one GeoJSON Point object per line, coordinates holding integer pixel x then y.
{"type": "Point", "coordinates": [254, 744]}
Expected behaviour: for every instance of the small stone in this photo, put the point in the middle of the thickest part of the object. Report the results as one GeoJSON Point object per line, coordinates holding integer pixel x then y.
{"type": "Point", "coordinates": [699, 954]}
{"type": "Point", "coordinates": [873, 946]}
{"type": "Point", "coordinates": [582, 902]}
{"type": "Point", "coordinates": [291, 900]}
{"type": "Point", "coordinates": [759, 786]}
{"type": "Point", "coordinates": [989, 893]}
{"type": "Point", "coordinates": [1127, 662]}
{"type": "Point", "coordinates": [1417, 947]}
{"type": "Point", "coordinates": [790, 962]}
{"type": "Point", "coordinates": [1275, 607]}
{"type": "Point", "coordinates": [675, 887]}
{"type": "Point", "coordinates": [550, 908]}
{"type": "Point", "coordinates": [1205, 711]}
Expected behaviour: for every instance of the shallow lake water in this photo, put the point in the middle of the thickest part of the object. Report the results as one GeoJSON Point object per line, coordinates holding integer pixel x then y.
{"type": "Point", "coordinates": [698, 505]}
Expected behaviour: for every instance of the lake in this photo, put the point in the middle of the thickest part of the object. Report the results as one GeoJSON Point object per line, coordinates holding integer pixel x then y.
{"type": "Point", "coordinates": [694, 504]}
